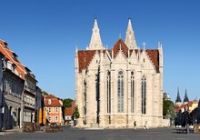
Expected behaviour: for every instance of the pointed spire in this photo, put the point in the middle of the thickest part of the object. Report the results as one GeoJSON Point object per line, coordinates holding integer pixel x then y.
{"type": "Point", "coordinates": [160, 45]}
{"type": "Point", "coordinates": [178, 98]}
{"type": "Point", "coordinates": [186, 99]}
{"type": "Point", "coordinates": [130, 36]}
{"type": "Point", "coordinates": [95, 42]}
{"type": "Point", "coordinates": [144, 46]}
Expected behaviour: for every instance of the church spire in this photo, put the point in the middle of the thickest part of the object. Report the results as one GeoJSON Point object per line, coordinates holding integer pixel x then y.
{"type": "Point", "coordinates": [130, 36]}
{"type": "Point", "coordinates": [186, 99]}
{"type": "Point", "coordinates": [178, 98]}
{"type": "Point", "coordinates": [95, 42]}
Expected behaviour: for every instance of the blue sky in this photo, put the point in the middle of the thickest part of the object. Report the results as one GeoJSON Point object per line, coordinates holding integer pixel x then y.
{"type": "Point", "coordinates": [45, 33]}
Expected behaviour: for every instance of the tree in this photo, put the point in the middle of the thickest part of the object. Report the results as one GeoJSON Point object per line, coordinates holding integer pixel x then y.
{"type": "Point", "coordinates": [76, 114]}
{"type": "Point", "coordinates": [168, 109]}
{"type": "Point", "coordinates": [67, 102]}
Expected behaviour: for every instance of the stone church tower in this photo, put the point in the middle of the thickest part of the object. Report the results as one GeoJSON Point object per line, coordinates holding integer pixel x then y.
{"type": "Point", "coordinates": [121, 87]}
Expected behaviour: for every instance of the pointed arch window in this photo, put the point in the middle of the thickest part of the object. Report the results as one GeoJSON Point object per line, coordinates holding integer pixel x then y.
{"type": "Point", "coordinates": [108, 93]}
{"type": "Point", "coordinates": [85, 98]}
{"type": "Point", "coordinates": [132, 92]}
{"type": "Point", "coordinates": [143, 92]}
{"type": "Point", "coordinates": [120, 91]}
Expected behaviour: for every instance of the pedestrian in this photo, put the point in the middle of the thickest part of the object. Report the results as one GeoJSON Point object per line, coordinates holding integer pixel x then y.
{"type": "Point", "coordinates": [134, 124]}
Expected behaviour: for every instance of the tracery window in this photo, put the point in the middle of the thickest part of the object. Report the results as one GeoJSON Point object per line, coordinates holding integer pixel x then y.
{"type": "Point", "coordinates": [132, 91]}
{"type": "Point", "coordinates": [120, 93]}
{"type": "Point", "coordinates": [108, 93]}
{"type": "Point", "coordinates": [143, 92]}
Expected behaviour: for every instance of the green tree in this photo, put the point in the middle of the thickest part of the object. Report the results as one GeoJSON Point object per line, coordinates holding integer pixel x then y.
{"type": "Point", "coordinates": [67, 102]}
{"type": "Point", "coordinates": [76, 114]}
{"type": "Point", "coordinates": [168, 109]}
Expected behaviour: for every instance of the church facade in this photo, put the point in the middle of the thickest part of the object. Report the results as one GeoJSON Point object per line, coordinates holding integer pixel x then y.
{"type": "Point", "coordinates": [121, 87]}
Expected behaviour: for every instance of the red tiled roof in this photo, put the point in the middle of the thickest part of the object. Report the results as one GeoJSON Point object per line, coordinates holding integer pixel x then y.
{"type": "Point", "coordinates": [120, 45]}
{"type": "Point", "coordinates": [69, 111]}
{"type": "Point", "coordinates": [182, 106]}
{"type": "Point", "coordinates": [154, 56]}
{"type": "Point", "coordinates": [86, 56]}
{"type": "Point", "coordinates": [9, 55]}
{"type": "Point", "coordinates": [51, 101]}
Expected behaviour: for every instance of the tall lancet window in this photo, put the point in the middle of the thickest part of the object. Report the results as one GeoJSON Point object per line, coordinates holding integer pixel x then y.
{"type": "Point", "coordinates": [120, 93]}
{"type": "Point", "coordinates": [85, 97]}
{"type": "Point", "coordinates": [132, 92]}
{"type": "Point", "coordinates": [108, 93]}
{"type": "Point", "coordinates": [144, 92]}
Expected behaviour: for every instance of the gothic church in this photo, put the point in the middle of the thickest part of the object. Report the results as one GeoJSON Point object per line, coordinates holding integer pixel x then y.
{"type": "Point", "coordinates": [121, 87]}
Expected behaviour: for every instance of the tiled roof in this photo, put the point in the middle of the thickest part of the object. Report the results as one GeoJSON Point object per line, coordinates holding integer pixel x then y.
{"type": "Point", "coordinates": [52, 101]}
{"type": "Point", "coordinates": [10, 56]}
{"type": "Point", "coordinates": [69, 111]}
{"type": "Point", "coordinates": [183, 106]}
{"type": "Point", "coordinates": [154, 56]}
{"type": "Point", "coordinates": [120, 45]}
{"type": "Point", "coordinates": [86, 56]}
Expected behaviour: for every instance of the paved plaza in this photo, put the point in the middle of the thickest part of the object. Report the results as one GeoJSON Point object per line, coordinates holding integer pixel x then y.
{"type": "Point", "coordinates": [125, 134]}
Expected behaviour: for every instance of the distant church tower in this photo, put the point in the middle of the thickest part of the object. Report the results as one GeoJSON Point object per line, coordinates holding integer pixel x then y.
{"type": "Point", "coordinates": [119, 87]}
{"type": "Point", "coordinates": [186, 99]}
{"type": "Point", "coordinates": [178, 101]}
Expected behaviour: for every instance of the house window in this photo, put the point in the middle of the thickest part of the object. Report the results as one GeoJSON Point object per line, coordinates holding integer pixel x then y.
{"type": "Point", "coordinates": [108, 93]}
{"type": "Point", "coordinates": [120, 93]}
{"type": "Point", "coordinates": [143, 91]}
{"type": "Point", "coordinates": [132, 92]}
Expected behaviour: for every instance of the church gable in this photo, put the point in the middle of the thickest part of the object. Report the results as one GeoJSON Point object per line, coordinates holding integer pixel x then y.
{"type": "Point", "coordinates": [95, 60]}
{"type": "Point", "coordinates": [106, 57]}
{"type": "Point", "coordinates": [120, 45]}
{"type": "Point", "coordinates": [120, 57]}
{"type": "Point", "coordinates": [133, 57]}
{"type": "Point", "coordinates": [151, 56]}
